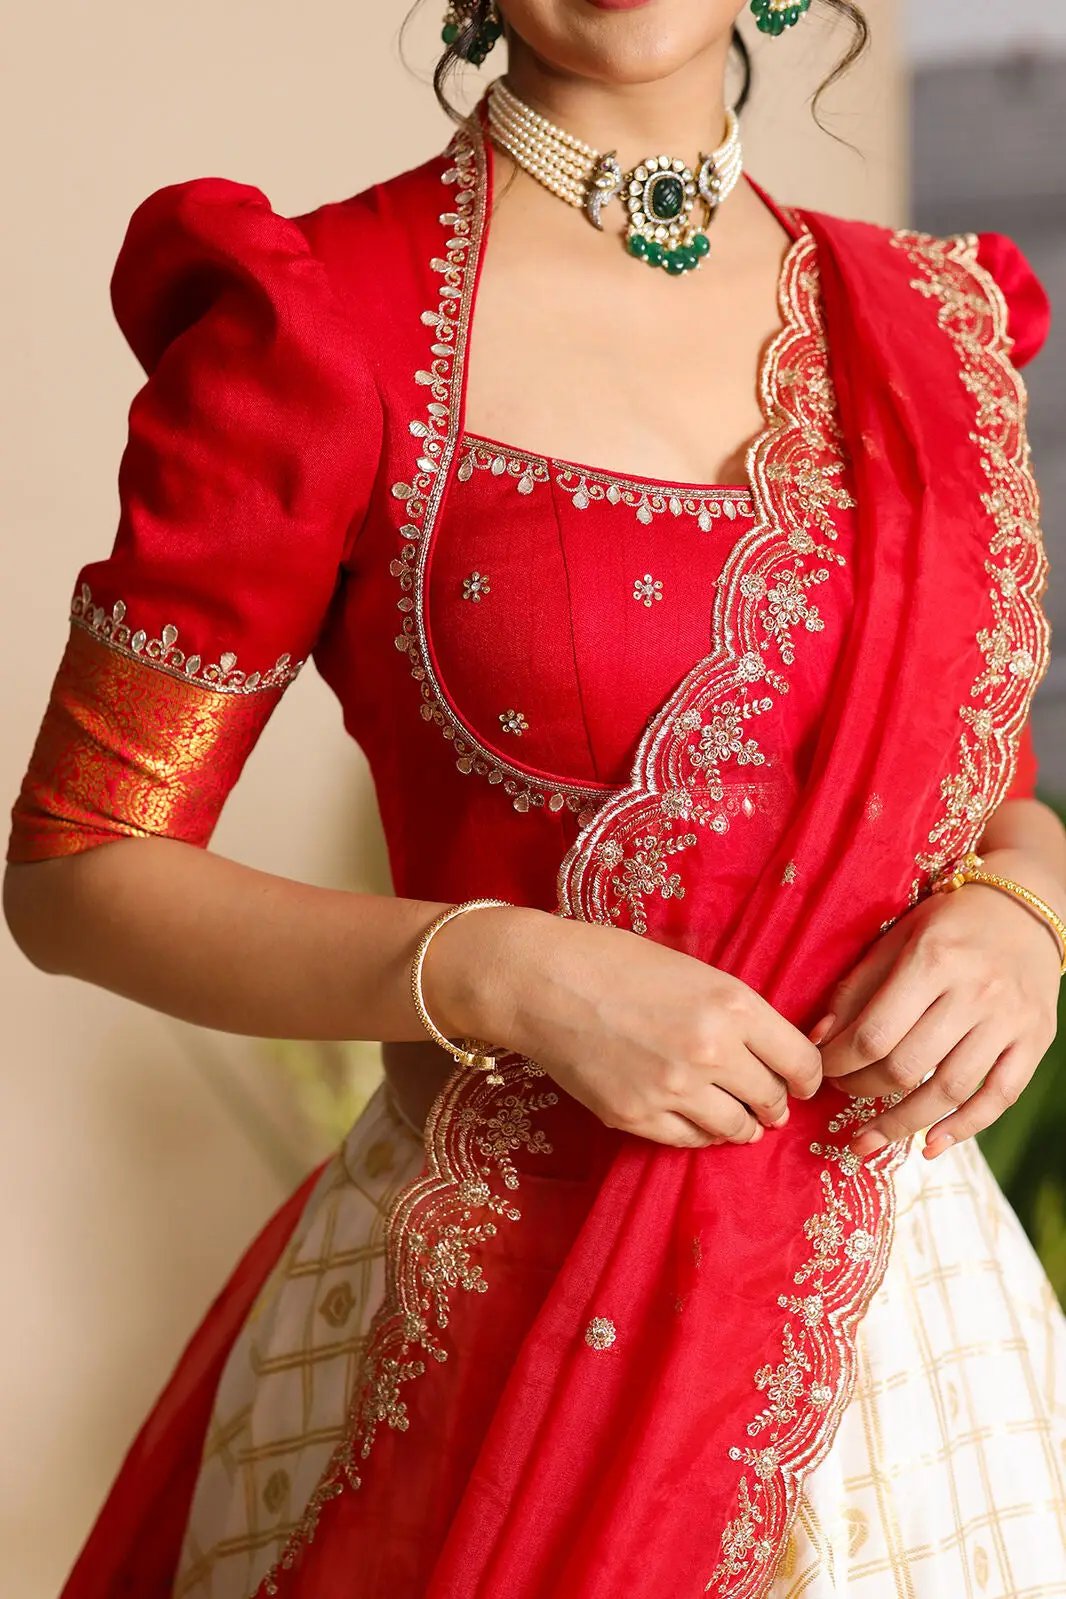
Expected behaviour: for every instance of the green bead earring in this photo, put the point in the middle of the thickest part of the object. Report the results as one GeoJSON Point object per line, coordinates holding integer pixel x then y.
{"type": "Point", "coordinates": [486, 21]}
{"type": "Point", "coordinates": [774, 16]}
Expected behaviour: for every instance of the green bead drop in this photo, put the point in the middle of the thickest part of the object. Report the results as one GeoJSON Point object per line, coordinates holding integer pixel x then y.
{"type": "Point", "coordinates": [637, 245]}
{"type": "Point", "coordinates": [700, 243]}
{"type": "Point", "coordinates": [656, 255]}
{"type": "Point", "coordinates": [450, 32]}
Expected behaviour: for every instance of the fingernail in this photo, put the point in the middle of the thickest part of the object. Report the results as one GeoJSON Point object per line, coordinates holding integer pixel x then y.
{"type": "Point", "coordinates": [936, 1146]}
{"type": "Point", "coordinates": [757, 1134]}
{"type": "Point", "coordinates": [780, 1121]}
{"type": "Point", "coordinates": [820, 1032]}
{"type": "Point", "coordinates": [866, 1142]}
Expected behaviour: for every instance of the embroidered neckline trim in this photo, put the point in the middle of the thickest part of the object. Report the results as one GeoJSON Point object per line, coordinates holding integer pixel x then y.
{"type": "Point", "coordinates": [470, 172]}
{"type": "Point", "coordinates": [587, 485]}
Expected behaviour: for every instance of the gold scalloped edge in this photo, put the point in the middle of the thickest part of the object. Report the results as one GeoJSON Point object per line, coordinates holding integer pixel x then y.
{"type": "Point", "coordinates": [434, 1226]}
{"type": "Point", "coordinates": [1016, 648]}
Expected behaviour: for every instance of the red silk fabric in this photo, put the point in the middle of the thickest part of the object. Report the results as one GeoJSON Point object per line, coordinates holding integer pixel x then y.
{"type": "Point", "coordinates": [545, 1456]}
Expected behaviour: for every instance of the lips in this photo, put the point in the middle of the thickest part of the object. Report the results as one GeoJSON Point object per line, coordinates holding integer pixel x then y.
{"type": "Point", "coordinates": [618, 5]}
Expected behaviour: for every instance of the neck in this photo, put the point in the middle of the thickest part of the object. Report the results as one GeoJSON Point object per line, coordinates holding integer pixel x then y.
{"type": "Point", "coordinates": [681, 114]}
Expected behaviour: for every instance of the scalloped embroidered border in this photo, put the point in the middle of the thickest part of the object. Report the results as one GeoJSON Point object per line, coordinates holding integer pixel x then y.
{"type": "Point", "coordinates": [163, 654]}
{"type": "Point", "coordinates": [797, 471]}
{"type": "Point", "coordinates": [433, 1227]}
{"type": "Point", "coordinates": [421, 497]}
{"type": "Point", "coordinates": [807, 1392]}
{"type": "Point", "coordinates": [1016, 646]}
{"type": "Point", "coordinates": [973, 314]}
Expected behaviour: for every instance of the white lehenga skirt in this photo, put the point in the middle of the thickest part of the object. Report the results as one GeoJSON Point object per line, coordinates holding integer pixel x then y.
{"type": "Point", "coordinates": [947, 1477]}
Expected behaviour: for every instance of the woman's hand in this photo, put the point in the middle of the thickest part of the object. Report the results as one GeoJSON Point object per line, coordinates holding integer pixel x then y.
{"type": "Point", "coordinates": [652, 1041]}
{"type": "Point", "coordinates": [954, 1007]}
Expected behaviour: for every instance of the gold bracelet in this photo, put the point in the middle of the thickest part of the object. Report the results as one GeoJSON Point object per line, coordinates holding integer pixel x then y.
{"type": "Point", "coordinates": [477, 1055]}
{"type": "Point", "coordinates": [968, 870]}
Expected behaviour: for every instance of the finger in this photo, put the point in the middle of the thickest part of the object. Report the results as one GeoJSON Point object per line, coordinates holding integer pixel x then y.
{"type": "Point", "coordinates": [720, 1113]}
{"type": "Point", "coordinates": [761, 1090]}
{"type": "Point", "coordinates": [958, 1076]}
{"type": "Point", "coordinates": [1009, 1076]}
{"type": "Point", "coordinates": [782, 1048]}
{"type": "Point", "coordinates": [908, 991]}
{"type": "Point", "coordinates": [919, 1052]}
{"type": "Point", "coordinates": [858, 987]}
{"type": "Point", "coordinates": [680, 1133]}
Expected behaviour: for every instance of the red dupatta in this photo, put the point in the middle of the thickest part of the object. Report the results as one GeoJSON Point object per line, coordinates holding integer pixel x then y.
{"type": "Point", "coordinates": [604, 1366]}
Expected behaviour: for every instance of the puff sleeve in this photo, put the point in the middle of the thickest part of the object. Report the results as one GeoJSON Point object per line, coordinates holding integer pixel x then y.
{"type": "Point", "coordinates": [251, 453]}
{"type": "Point", "coordinates": [1028, 306]}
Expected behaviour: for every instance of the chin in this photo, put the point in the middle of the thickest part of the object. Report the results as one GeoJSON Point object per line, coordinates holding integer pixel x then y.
{"type": "Point", "coordinates": [640, 44]}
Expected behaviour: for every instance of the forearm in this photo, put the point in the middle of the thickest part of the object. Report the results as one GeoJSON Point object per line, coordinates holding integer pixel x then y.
{"type": "Point", "coordinates": [1026, 840]}
{"type": "Point", "coordinates": [204, 938]}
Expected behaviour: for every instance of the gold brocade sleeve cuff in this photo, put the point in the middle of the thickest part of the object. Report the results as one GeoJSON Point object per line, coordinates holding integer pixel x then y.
{"type": "Point", "coordinates": [135, 747]}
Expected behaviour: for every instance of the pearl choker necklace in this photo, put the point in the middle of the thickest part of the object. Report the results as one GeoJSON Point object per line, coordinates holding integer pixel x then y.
{"type": "Point", "coordinates": [659, 193]}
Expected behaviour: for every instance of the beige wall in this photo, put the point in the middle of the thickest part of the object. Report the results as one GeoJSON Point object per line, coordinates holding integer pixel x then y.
{"type": "Point", "coordinates": [139, 1155]}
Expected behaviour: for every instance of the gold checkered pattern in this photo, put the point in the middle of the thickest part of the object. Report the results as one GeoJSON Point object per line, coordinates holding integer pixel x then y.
{"type": "Point", "coordinates": [947, 1478]}
{"type": "Point", "coordinates": [289, 1381]}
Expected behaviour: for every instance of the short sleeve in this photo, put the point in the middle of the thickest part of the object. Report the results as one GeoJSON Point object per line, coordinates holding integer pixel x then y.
{"type": "Point", "coordinates": [1028, 306]}
{"type": "Point", "coordinates": [253, 445]}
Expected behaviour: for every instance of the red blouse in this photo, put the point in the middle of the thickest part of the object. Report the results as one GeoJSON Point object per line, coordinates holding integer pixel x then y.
{"type": "Point", "coordinates": [498, 628]}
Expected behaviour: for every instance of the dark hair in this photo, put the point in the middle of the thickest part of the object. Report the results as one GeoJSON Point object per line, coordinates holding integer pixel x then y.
{"type": "Point", "coordinates": [845, 9]}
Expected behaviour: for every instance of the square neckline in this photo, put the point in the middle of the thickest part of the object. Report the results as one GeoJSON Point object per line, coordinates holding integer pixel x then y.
{"type": "Point", "coordinates": [610, 474]}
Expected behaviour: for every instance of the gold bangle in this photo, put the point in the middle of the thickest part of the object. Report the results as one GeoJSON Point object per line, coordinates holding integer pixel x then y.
{"type": "Point", "coordinates": [477, 1054]}
{"type": "Point", "coordinates": [968, 870]}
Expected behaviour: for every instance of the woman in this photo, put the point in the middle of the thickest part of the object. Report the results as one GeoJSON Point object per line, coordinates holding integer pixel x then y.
{"type": "Point", "coordinates": [694, 1281]}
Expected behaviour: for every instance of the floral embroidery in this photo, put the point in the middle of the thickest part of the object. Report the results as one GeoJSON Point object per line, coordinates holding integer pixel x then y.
{"type": "Point", "coordinates": [600, 1333]}
{"type": "Point", "coordinates": [789, 873]}
{"type": "Point", "coordinates": [514, 722]}
{"type": "Point", "coordinates": [648, 588]}
{"type": "Point", "coordinates": [436, 1223]}
{"type": "Point", "coordinates": [475, 586]}
{"type": "Point", "coordinates": [707, 506]}
{"type": "Point", "coordinates": [849, 1240]}
{"type": "Point", "coordinates": [644, 872]}
{"type": "Point", "coordinates": [762, 608]}
{"type": "Point", "coordinates": [1015, 646]}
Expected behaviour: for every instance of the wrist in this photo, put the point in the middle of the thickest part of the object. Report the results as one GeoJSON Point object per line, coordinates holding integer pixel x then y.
{"type": "Point", "coordinates": [1030, 870]}
{"type": "Point", "coordinates": [470, 975]}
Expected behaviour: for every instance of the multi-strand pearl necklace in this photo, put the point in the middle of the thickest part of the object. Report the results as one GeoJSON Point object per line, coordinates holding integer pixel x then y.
{"type": "Point", "coordinates": [659, 193]}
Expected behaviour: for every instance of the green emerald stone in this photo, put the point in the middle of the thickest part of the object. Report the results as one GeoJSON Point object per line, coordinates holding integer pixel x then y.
{"type": "Point", "coordinates": [449, 33]}
{"type": "Point", "coordinates": [655, 254]}
{"type": "Point", "coordinates": [637, 245]}
{"type": "Point", "coordinates": [675, 262]}
{"type": "Point", "coordinates": [700, 243]}
{"type": "Point", "coordinates": [666, 197]}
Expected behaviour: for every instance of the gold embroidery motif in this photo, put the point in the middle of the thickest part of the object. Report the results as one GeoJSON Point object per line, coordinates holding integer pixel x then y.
{"type": "Point", "coordinates": [647, 589]}
{"type": "Point", "coordinates": [587, 486]}
{"type": "Point", "coordinates": [163, 653]}
{"type": "Point", "coordinates": [807, 1386]}
{"type": "Point", "coordinates": [475, 586]}
{"type": "Point", "coordinates": [600, 1333]}
{"type": "Point", "coordinates": [1015, 647]}
{"type": "Point", "coordinates": [762, 608]}
{"type": "Point", "coordinates": [514, 722]}
{"type": "Point", "coordinates": [437, 436]}
{"type": "Point", "coordinates": [127, 750]}
{"type": "Point", "coordinates": [435, 1225]}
